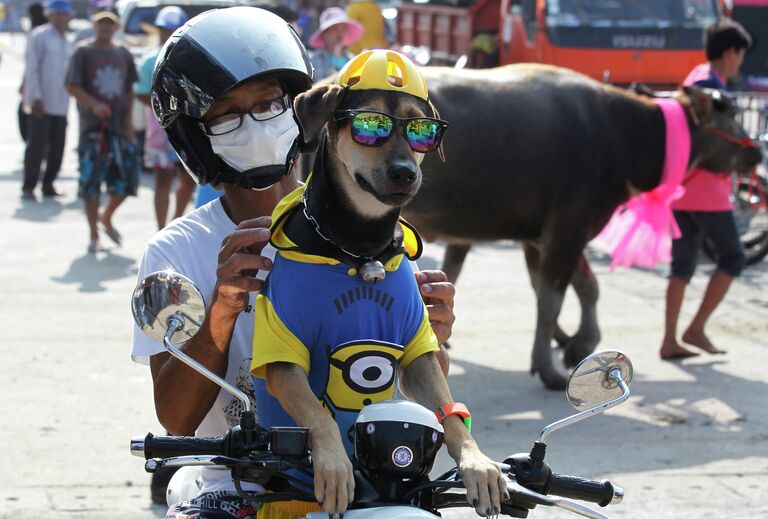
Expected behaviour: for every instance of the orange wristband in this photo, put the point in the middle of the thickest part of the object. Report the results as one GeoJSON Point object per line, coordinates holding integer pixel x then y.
{"type": "Point", "coordinates": [458, 409]}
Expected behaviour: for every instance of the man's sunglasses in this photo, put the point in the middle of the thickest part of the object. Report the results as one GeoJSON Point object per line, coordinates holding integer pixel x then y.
{"type": "Point", "coordinates": [375, 128]}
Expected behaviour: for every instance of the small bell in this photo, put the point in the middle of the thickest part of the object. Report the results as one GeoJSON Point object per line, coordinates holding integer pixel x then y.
{"type": "Point", "coordinates": [372, 272]}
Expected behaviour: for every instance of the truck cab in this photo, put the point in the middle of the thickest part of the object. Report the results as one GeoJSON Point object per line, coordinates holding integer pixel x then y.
{"type": "Point", "coordinates": [621, 41]}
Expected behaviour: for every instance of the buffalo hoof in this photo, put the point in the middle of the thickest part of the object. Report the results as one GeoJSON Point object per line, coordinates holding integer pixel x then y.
{"type": "Point", "coordinates": [578, 348]}
{"type": "Point", "coordinates": [561, 338]}
{"type": "Point", "coordinates": [552, 379]}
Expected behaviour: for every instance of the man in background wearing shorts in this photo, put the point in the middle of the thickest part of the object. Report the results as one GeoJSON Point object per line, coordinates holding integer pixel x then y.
{"type": "Point", "coordinates": [705, 210]}
{"type": "Point", "coordinates": [100, 77]}
{"type": "Point", "coordinates": [158, 153]}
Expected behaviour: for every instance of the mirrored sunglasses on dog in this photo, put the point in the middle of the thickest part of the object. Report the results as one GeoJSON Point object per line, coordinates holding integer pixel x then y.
{"type": "Point", "coordinates": [375, 128]}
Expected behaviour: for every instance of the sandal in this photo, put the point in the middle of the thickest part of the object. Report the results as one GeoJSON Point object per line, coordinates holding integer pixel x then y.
{"type": "Point", "coordinates": [94, 246]}
{"type": "Point", "coordinates": [114, 235]}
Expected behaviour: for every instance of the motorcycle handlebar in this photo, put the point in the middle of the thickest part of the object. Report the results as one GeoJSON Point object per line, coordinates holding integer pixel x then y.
{"type": "Point", "coordinates": [601, 492]}
{"type": "Point", "coordinates": [153, 446]}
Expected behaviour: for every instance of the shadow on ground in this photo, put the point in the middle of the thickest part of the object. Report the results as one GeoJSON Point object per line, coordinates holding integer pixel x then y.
{"type": "Point", "coordinates": [91, 271]}
{"type": "Point", "coordinates": [509, 415]}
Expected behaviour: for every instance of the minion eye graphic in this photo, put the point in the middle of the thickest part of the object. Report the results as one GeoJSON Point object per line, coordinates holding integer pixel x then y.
{"type": "Point", "coordinates": [369, 372]}
{"type": "Point", "coordinates": [362, 372]}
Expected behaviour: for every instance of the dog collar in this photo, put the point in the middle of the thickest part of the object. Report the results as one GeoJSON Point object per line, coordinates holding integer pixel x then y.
{"type": "Point", "coordinates": [294, 236]}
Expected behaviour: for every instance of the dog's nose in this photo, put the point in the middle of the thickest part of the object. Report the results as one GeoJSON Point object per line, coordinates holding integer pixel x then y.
{"type": "Point", "coordinates": [402, 174]}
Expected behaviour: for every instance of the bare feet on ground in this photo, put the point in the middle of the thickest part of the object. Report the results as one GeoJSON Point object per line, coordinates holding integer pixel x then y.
{"type": "Point", "coordinates": [699, 339]}
{"type": "Point", "coordinates": [671, 350]}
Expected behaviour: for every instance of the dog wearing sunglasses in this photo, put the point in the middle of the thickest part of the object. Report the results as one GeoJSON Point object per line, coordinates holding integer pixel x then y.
{"type": "Point", "coordinates": [341, 300]}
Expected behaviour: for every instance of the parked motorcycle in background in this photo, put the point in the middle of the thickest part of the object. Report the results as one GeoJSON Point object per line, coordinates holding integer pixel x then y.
{"type": "Point", "coordinates": [750, 210]}
{"type": "Point", "coordinates": [391, 477]}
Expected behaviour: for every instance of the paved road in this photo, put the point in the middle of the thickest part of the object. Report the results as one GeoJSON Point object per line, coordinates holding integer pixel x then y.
{"type": "Point", "coordinates": [693, 440]}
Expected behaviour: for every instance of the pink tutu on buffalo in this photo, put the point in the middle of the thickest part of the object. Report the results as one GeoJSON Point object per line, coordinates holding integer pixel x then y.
{"type": "Point", "coordinates": [641, 231]}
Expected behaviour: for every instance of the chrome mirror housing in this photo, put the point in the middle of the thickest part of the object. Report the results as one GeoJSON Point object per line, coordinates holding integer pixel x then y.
{"type": "Point", "coordinates": [599, 382]}
{"type": "Point", "coordinates": [165, 299]}
{"type": "Point", "coordinates": [170, 309]}
{"type": "Point", "coordinates": [593, 381]}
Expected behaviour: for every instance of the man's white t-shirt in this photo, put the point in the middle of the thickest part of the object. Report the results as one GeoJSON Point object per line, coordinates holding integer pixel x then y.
{"type": "Point", "coordinates": [190, 246]}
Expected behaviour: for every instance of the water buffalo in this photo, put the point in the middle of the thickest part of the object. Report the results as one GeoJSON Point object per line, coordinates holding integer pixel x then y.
{"type": "Point", "coordinates": [544, 155]}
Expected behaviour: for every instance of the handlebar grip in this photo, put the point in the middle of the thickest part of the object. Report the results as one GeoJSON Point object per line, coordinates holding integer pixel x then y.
{"type": "Point", "coordinates": [601, 492]}
{"type": "Point", "coordinates": [170, 446]}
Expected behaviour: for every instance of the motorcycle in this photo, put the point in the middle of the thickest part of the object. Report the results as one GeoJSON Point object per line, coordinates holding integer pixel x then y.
{"type": "Point", "coordinates": [170, 309]}
{"type": "Point", "coordinates": [750, 211]}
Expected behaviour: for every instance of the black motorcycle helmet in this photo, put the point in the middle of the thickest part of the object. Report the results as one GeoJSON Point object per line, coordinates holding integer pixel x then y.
{"type": "Point", "coordinates": [396, 440]}
{"type": "Point", "coordinates": [213, 53]}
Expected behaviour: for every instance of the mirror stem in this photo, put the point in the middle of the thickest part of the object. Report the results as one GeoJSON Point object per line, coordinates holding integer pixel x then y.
{"type": "Point", "coordinates": [176, 323]}
{"type": "Point", "coordinates": [614, 376]}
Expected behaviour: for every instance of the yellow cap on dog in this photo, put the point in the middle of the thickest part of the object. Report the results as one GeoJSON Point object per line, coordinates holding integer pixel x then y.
{"type": "Point", "coordinates": [383, 70]}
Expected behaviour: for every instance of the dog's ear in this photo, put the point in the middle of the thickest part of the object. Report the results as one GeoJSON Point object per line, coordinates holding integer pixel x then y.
{"type": "Point", "coordinates": [700, 103]}
{"type": "Point", "coordinates": [314, 108]}
{"type": "Point", "coordinates": [436, 115]}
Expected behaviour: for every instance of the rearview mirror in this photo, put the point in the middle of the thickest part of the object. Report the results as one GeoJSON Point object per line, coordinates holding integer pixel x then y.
{"type": "Point", "coordinates": [592, 384]}
{"type": "Point", "coordinates": [598, 383]}
{"type": "Point", "coordinates": [169, 308]}
{"type": "Point", "coordinates": [166, 297]}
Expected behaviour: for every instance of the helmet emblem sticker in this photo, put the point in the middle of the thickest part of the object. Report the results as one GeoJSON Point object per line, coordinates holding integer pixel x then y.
{"type": "Point", "coordinates": [402, 456]}
{"type": "Point", "coordinates": [434, 436]}
{"type": "Point", "coordinates": [370, 428]}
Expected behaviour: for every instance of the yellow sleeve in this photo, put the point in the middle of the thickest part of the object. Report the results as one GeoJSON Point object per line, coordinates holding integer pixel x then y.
{"type": "Point", "coordinates": [273, 341]}
{"type": "Point", "coordinates": [423, 342]}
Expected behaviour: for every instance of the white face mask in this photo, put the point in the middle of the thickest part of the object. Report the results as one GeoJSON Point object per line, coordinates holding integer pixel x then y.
{"type": "Point", "coordinates": [257, 143]}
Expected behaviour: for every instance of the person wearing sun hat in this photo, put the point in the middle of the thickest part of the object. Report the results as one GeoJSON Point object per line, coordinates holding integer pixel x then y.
{"type": "Point", "coordinates": [331, 39]}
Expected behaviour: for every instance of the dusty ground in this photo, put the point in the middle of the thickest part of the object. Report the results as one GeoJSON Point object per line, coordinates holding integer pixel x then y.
{"type": "Point", "coordinates": [692, 441]}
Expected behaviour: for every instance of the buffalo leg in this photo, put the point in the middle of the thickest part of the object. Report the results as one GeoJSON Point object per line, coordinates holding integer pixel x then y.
{"type": "Point", "coordinates": [532, 263]}
{"type": "Point", "coordinates": [453, 260]}
{"type": "Point", "coordinates": [559, 257]}
{"type": "Point", "coordinates": [587, 337]}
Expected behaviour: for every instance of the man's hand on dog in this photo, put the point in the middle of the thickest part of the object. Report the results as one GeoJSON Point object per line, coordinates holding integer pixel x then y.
{"type": "Point", "coordinates": [438, 294]}
{"type": "Point", "coordinates": [334, 479]}
{"type": "Point", "coordinates": [239, 260]}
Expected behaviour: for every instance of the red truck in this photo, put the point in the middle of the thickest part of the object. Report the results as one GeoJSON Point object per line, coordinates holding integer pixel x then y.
{"type": "Point", "coordinates": [653, 41]}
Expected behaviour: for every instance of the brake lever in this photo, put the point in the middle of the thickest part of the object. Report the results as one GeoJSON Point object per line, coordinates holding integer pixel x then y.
{"type": "Point", "coordinates": [153, 464]}
{"type": "Point", "coordinates": [513, 487]}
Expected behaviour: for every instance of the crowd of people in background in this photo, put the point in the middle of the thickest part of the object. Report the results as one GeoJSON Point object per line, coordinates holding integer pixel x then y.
{"type": "Point", "coordinates": [101, 75]}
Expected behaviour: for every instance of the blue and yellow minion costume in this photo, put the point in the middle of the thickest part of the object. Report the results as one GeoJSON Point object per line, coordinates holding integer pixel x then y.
{"type": "Point", "coordinates": [315, 311]}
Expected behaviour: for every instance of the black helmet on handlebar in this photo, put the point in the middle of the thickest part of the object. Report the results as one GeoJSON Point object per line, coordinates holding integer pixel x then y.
{"type": "Point", "coordinates": [213, 53]}
{"type": "Point", "coordinates": [397, 440]}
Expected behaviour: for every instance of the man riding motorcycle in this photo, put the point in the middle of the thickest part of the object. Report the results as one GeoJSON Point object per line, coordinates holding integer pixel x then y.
{"type": "Point", "coordinates": [240, 66]}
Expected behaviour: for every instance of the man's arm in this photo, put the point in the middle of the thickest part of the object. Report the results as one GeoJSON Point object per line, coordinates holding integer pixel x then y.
{"type": "Point", "coordinates": [33, 78]}
{"type": "Point", "coordinates": [128, 123]}
{"type": "Point", "coordinates": [143, 88]}
{"type": "Point", "coordinates": [101, 110]}
{"type": "Point", "coordinates": [334, 480]}
{"type": "Point", "coordinates": [182, 396]}
{"type": "Point", "coordinates": [486, 485]}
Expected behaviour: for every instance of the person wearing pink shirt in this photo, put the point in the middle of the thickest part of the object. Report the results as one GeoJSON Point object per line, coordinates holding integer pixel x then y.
{"type": "Point", "coordinates": [705, 210]}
